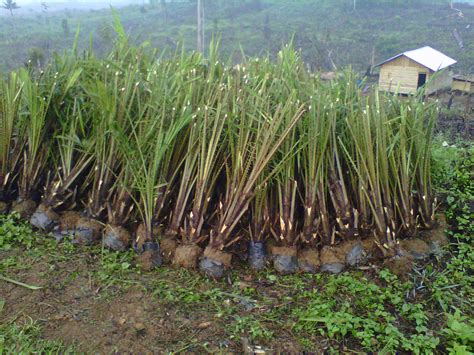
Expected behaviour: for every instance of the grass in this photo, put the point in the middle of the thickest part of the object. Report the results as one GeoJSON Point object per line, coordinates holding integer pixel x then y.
{"type": "Point", "coordinates": [431, 311]}
{"type": "Point", "coordinates": [26, 338]}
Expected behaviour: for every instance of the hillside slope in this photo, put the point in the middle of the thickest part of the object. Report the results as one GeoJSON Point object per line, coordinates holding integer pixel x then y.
{"type": "Point", "coordinates": [325, 30]}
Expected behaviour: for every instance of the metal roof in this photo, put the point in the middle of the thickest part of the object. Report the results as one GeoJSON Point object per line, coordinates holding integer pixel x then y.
{"type": "Point", "coordinates": [426, 56]}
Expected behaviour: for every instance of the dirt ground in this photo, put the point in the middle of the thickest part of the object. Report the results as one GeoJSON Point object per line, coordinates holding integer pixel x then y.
{"type": "Point", "coordinates": [98, 302]}
{"type": "Point", "coordinates": [82, 306]}
{"type": "Point", "coordinates": [459, 120]}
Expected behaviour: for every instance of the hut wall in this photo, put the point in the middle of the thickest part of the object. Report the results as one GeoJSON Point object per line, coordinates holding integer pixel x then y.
{"type": "Point", "coordinates": [463, 86]}
{"type": "Point", "coordinates": [401, 75]}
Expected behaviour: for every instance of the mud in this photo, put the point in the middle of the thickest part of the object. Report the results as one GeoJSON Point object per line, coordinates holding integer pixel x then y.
{"type": "Point", "coordinates": [147, 313]}
{"type": "Point", "coordinates": [436, 238]}
{"type": "Point", "coordinates": [370, 247]}
{"type": "Point", "coordinates": [125, 318]}
{"type": "Point", "coordinates": [147, 261]}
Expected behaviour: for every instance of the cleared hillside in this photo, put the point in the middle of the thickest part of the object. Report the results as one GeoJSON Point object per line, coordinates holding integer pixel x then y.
{"type": "Point", "coordinates": [326, 31]}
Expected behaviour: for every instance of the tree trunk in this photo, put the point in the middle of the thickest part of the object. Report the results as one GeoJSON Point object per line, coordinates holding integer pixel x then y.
{"type": "Point", "coordinates": [13, 19]}
{"type": "Point", "coordinates": [200, 31]}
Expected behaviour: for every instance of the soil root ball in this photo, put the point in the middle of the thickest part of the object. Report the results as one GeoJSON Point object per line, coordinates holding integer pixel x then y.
{"type": "Point", "coordinates": [356, 255]}
{"type": "Point", "coordinates": [87, 231]}
{"type": "Point", "coordinates": [187, 256]}
{"type": "Point", "coordinates": [25, 208]}
{"type": "Point", "coordinates": [215, 262]}
{"type": "Point", "coordinates": [400, 265]}
{"type": "Point", "coordinates": [141, 237]}
{"type": "Point", "coordinates": [117, 238]}
{"type": "Point", "coordinates": [68, 220]}
{"type": "Point", "coordinates": [4, 207]}
{"type": "Point", "coordinates": [212, 268]}
{"type": "Point", "coordinates": [59, 234]}
{"type": "Point", "coordinates": [308, 260]}
{"type": "Point", "coordinates": [417, 248]}
{"type": "Point", "coordinates": [257, 255]}
{"type": "Point", "coordinates": [44, 218]}
{"type": "Point", "coordinates": [370, 247]}
{"type": "Point", "coordinates": [168, 247]}
{"type": "Point", "coordinates": [150, 258]}
{"type": "Point", "coordinates": [67, 225]}
{"type": "Point", "coordinates": [285, 260]}
{"type": "Point", "coordinates": [437, 241]}
{"type": "Point", "coordinates": [332, 261]}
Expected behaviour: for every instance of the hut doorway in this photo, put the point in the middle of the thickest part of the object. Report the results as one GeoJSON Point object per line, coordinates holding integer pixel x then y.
{"type": "Point", "coordinates": [421, 80]}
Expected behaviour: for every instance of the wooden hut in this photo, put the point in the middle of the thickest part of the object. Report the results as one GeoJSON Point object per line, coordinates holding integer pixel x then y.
{"type": "Point", "coordinates": [463, 84]}
{"type": "Point", "coordinates": [406, 72]}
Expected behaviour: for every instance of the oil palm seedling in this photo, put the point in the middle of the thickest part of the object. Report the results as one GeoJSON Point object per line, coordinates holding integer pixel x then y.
{"type": "Point", "coordinates": [70, 160]}
{"type": "Point", "coordinates": [113, 98]}
{"type": "Point", "coordinates": [259, 225]}
{"type": "Point", "coordinates": [11, 131]}
{"type": "Point", "coordinates": [119, 211]}
{"type": "Point", "coordinates": [348, 99]}
{"type": "Point", "coordinates": [255, 134]}
{"type": "Point", "coordinates": [68, 153]}
{"type": "Point", "coordinates": [285, 84]}
{"type": "Point", "coordinates": [36, 113]}
{"type": "Point", "coordinates": [206, 158]}
{"type": "Point", "coordinates": [153, 132]}
{"type": "Point", "coordinates": [209, 164]}
{"type": "Point", "coordinates": [369, 163]}
{"type": "Point", "coordinates": [315, 126]}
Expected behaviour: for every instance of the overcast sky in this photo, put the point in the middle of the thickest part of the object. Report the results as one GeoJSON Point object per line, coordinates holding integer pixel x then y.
{"type": "Point", "coordinates": [29, 2]}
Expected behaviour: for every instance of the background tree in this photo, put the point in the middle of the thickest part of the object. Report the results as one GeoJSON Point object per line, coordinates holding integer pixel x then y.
{"type": "Point", "coordinates": [65, 26]}
{"type": "Point", "coordinates": [10, 5]}
{"type": "Point", "coordinates": [44, 8]}
{"type": "Point", "coordinates": [266, 28]}
{"type": "Point", "coordinates": [164, 8]}
{"type": "Point", "coordinates": [36, 56]}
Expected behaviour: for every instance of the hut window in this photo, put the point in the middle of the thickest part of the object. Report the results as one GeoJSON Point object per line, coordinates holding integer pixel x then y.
{"type": "Point", "coordinates": [421, 79]}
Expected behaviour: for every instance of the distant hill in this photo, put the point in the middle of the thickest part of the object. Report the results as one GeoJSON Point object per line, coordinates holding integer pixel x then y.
{"type": "Point", "coordinates": [329, 32]}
